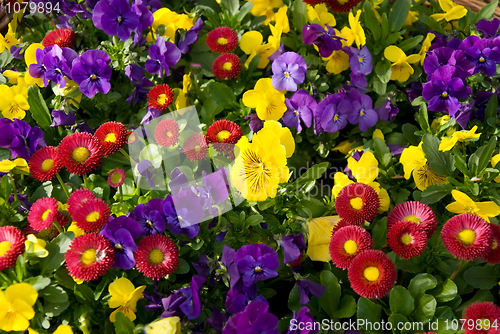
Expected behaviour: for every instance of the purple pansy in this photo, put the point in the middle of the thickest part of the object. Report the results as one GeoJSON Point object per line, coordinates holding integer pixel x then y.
{"type": "Point", "coordinates": [60, 118]}
{"type": "Point", "coordinates": [387, 111]}
{"type": "Point", "coordinates": [255, 319]}
{"type": "Point", "coordinates": [20, 138]}
{"type": "Point", "coordinates": [228, 260]}
{"type": "Point", "coordinates": [360, 61]}
{"type": "Point", "coordinates": [486, 60]}
{"type": "Point", "coordinates": [217, 185]}
{"type": "Point", "coordinates": [240, 296]}
{"type": "Point", "coordinates": [289, 70]}
{"type": "Point", "coordinates": [332, 113]}
{"type": "Point", "coordinates": [150, 217]}
{"type": "Point", "coordinates": [145, 16]}
{"type": "Point", "coordinates": [292, 245]}
{"type": "Point", "coordinates": [256, 262]}
{"type": "Point", "coordinates": [307, 289]}
{"type": "Point", "coordinates": [362, 113]}
{"type": "Point", "coordinates": [255, 122]}
{"type": "Point", "coordinates": [306, 321]}
{"type": "Point", "coordinates": [134, 72]}
{"type": "Point", "coordinates": [185, 301]}
{"type": "Point", "coordinates": [173, 220]}
{"type": "Point", "coordinates": [162, 56]}
{"type": "Point", "coordinates": [140, 93]}
{"type": "Point", "coordinates": [57, 64]}
{"type": "Point", "coordinates": [300, 109]}
{"type": "Point", "coordinates": [152, 5]}
{"type": "Point", "coordinates": [121, 232]}
{"type": "Point", "coordinates": [191, 37]}
{"type": "Point", "coordinates": [488, 28]}
{"type": "Point", "coordinates": [444, 91]}
{"type": "Point", "coordinates": [92, 73]}
{"type": "Point", "coordinates": [217, 319]}
{"type": "Point", "coordinates": [325, 40]}
{"type": "Point", "coordinates": [116, 18]}
{"type": "Point", "coordinates": [190, 206]}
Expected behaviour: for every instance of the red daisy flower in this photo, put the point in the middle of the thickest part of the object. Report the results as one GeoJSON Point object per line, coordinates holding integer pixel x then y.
{"type": "Point", "coordinates": [92, 215]}
{"type": "Point", "coordinates": [342, 6]}
{"type": "Point", "coordinates": [347, 243]}
{"type": "Point", "coordinates": [314, 2]}
{"type": "Point", "coordinates": [116, 178]}
{"type": "Point", "coordinates": [51, 232]}
{"type": "Point", "coordinates": [157, 256]}
{"type": "Point", "coordinates": [223, 135]}
{"type": "Point", "coordinates": [167, 133]}
{"type": "Point", "coordinates": [80, 153]}
{"type": "Point", "coordinates": [160, 97]}
{"type": "Point", "coordinates": [11, 246]}
{"type": "Point", "coordinates": [222, 39]}
{"type": "Point", "coordinates": [113, 137]}
{"type": "Point", "coordinates": [42, 213]}
{"type": "Point", "coordinates": [485, 318]}
{"type": "Point", "coordinates": [407, 239]}
{"type": "Point", "coordinates": [372, 274]}
{"type": "Point", "coordinates": [339, 225]}
{"type": "Point", "coordinates": [64, 38]}
{"type": "Point", "coordinates": [89, 256]}
{"type": "Point", "coordinates": [493, 256]}
{"type": "Point", "coordinates": [226, 66]}
{"type": "Point", "coordinates": [416, 212]}
{"type": "Point", "coordinates": [44, 164]}
{"type": "Point", "coordinates": [357, 203]}
{"type": "Point", "coordinates": [195, 147]}
{"type": "Point", "coordinates": [78, 198]}
{"type": "Point", "coordinates": [467, 236]}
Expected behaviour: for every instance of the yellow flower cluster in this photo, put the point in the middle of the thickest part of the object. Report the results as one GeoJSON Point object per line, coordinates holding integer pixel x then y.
{"type": "Point", "coordinates": [172, 21]}
{"type": "Point", "coordinates": [268, 102]}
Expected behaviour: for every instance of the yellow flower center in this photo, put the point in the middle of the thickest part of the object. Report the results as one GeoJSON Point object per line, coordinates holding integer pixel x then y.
{"type": "Point", "coordinates": [223, 135]}
{"type": "Point", "coordinates": [360, 59]}
{"type": "Point", "coordinates": [89, 256]}
{"type": "Point", "coordinates": [110, 138]}
{"type": "Point", "coordinates": [80, 154]}
{"type": "Point", "coordinates": [406, 239]}
{"type": "Point", "coordinates": [47, 164]}
{"type": "Point", "coordinates": [169, 134]}
{"type": "Point", "coordinates": [120, 19]}
{"type": "Point", "coordinates": [93, 77]}
{"type": "Point", "coordinates": [270, 108]}
{"type": "Point", "coordinates": [162, 99]}
{"type": "Point", "coordinates": [336, 118]}
{"type": "Point", "coordinates": [116, 178]}
{"type": "Point", "coordinates": [356, 203]}
{"type": "Point", "coordinates": [156, 256]}
{"type": "Point", "coordinates": [361, 113]}
{"type": "Point", "coordinates": [93, 217]}
{"type": "Point", "coordinates": [412, 219]}
{"type": "Point", "coordinates": [258, 269]}
{"type": "Point", "coordinates": [227, 66]}
{"type": "Point", "coordinates": [481, 60]}
{"type": "Point", "coordinates": [350, 247]}
{"type": "Point", "coordinates": [444, 95]}
{"type": "Point", "coordinates": [467, 236]}
{"type": "Point", "coordinates": [118, 247]}
{"type": "Point", "coordinates": [342, 1]}
{"type": "Point", "coordinates": [46, 214]}
{"type": "Point", "coordinates": [197, 148]}
{"type": "Point", "coordinates": [4, 247]}
{"type": "Point", "coordinates": [371, 273]}
{"type": "Point", "coordinates": [222, 41]}
{"type": "Point", "coordinates": [287, 75]}
{"type": "Point", "coordinates": [494, 245]}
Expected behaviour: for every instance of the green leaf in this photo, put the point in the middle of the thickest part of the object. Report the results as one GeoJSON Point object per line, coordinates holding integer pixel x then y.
{"type": "Point", "coordinates": [385, 26]}
{"type": "Point", "coordinates": [313, 173]}
{"type": "Point", "coordinates": [483, 278]}
{"type": "Point", "coordinates": [487, 11]}
{"type": "Point", "coordinates": [410, 43]}
{"type": "Point", "coordinates": [299, 14]}
{"type": "Point", "coordinates": [401, 301]}
{"type": "Point", "coordinates": [421, 283]}
{"type": "Point", "coordinates": [487, 153]}
{"type": "Point", "coordinates": [5, 187]}
{"type": "Point", "coordinates": [38, 282]}
{"type": "Point", "coordinates": [425, 307]}
{"type": "Point", "coordinates": [209, 110]}
{"type": "Point", "coordinates": [443, 163]}
{"type": "Point", "coordinates": [347, 307]}
{"type": "Point", "coordinates": [231, 6]}
{"type": "Point", "coordinates": [329, 301]}
{"type": "Point", "coordinates": [398, 15]}
{"type": "Point", "coordinates": [54, 294]}
{"type": "Point", "coordinates": [409, 132]}
{"type": "Point", "coordinates": [371, 20]}
{"type": "Point", "coordinates": [182, 267]}
{"type": "Point", "coordinates": [378, 86]}
{"type": "Point", "coordinates": [379, 234]}
{"type": "Point", "coordinates": [382, 152]}
{"type": "Point", "coordinates": [445, 291]}
{"type": "Point", "coordinates": [39, 109]}
{"type": "Point", "coordinates": [423, 118]}
{"type": "Point", "coordinates": [392, 38]}
{"type": "Point", "coordinates": [84, 292]}
{"type": "Point", "coordinates": [221, 94]}
{"type": "Point", "coordinates": [123, 325]}
{"type": "Point", "coordinates": [244, 10]}
{"type": "Point", "coordinates": [491, 107]}
{"type": "Point", "coordinates": [434, 193]}
{"type": "Point", "coordinates": [383, 70]}
{"type": "Point", "coordinates": [397, 320]}
{"type": "Point", "coordinates": [431, 23]}
{"type": "Point", "coordinates": [368, 312]}
{"type": "Point", "coordinates": [293, 299]}
{"type": "Point", "coordinates": [56, 249]}
{"type": "Point", "coordinates": [254, 220]}
{"type": "Point", "coordinates": [399, 195]}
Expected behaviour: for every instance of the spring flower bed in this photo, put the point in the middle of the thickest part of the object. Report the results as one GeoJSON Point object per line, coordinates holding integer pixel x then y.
{"type": "Point", "coordinates": [265, 166]}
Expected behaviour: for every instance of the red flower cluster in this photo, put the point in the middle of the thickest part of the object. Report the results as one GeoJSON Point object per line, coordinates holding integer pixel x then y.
{"type": "Point", "coordinates": [227, 66]}
{"type": "Point", "coordinates": [357, 203]}
{"type": "Point", "coordinates": [223, 135]}
{"type": "Point", "coordinates": [160, 97]}
{"type": "Point", "coordinates": [64, 38]}
{"type": "Point", "coordinates": [88, 212]}
{"type": "Point", "coordinates": [222, 40]}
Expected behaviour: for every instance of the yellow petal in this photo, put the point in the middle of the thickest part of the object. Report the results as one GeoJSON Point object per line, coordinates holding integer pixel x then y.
{"type": "Point", "coordinates": [413, 59]}
{"type": "Point", "coordinates": [447, 144]}
{"type": "Point", "coordinates": [457, 12]}
{"type": "Point", "coordinates": [394, 54]}
{"type": "Point", "coordinates": [251, 98]}
{"type": "Point", "coordinates": [345, 146]}
{"type": "Point", "coordinates": [136, 295]}
{"type": "Point", "coordinates": [338, 62]}
{"type": "Point", "coordinates": [446, 5]}
{"type": "Point", "coordinates": [490, 209]}
{"type": "Point", "coordinates": [411, 158]}
{"type": "Point", "coordinates": [250, 41]}
{"type": "Point", "coordinates": [6, 166]}
{"type": "Point", "coordinates": [463, 199]}
{"type": "Point", "coordinates": [171, 325]}
{"type": "Point", "coordinates": [366, 169]}
{"type": "Point", "coordinates": [378, 134]}
{"type": "Point", "coordinates": [282, 19]}
{"type": "Point", "coordinates": [30, 53]}
{"type": "Point", "coordinates": [63, 329]}
{"type": "Point", "coordinates": [264, 85]}
{"type": "Point", "coordinates": [23, 291]}
{"type": "Point", "coordinates": [120, 291]}
{"type": "Point", "coordinates": [384, 199]}
{"type": "Point", "coordinates": [125, 310]}
{"type": "Point", "coordinates": [320, 231]}
{"type": "Point", "coordinates": [21, 307]}
{"type": "Point", "coordinates": [341, 180]}
{"type": "Point", "coordinates": [14, 322]}
{"type": "Point", "coordinates": [284, 134]}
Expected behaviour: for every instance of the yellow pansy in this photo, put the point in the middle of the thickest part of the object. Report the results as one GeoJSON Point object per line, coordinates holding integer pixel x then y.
{"type": "Point", "coordinates": [344, 147]}
{"type": "Point", "coordinates": [22, 165]}
{"type": "Point", "coordinates": [8, 40]}
{"type": "Point", "coordinates": [171, 325]}
{"type": "Point", "coordinates": [377, 133]}
{"type": "Point", "coordinates": [172, 21]}
{"type": "Point", "coordinates": [16, 307]}
{"type": "Point", "coordinates": [30, 58]}
{"type": "Point", "coordinates": [318, 239]}
{"type": "Point", "coordinates": [63, 329]}
{"type": "Point", "coordinates": [124, 297]}
{"type": "Point", "coordinates": [401, 68]}
{"type": "Point", "coordinates": [13, 76]}
{"type": "Point", "coordinates": [265, 7]}
{"type": "Point", "coordinates": [452, 11]}
{"type": "Point", "coordinates": [282, 22]}
{"type": "Point", "coordinates": [494, 160]}
{"type": "Point", "coordinates": [366, 169]}
{"type": "Point", "coordinates": [338, 62]}
{"type": "Point", "coordinates": [35, 246]}
{"type": "Point", "coordinates": [76, 230]}
{"type": "Point", "coordinates": [181, 101]}
{"type": "Point", "coordinates": [273, 128]}
{"type": "Point", "coordinates": [6, 166]}
{"type": "Point", "coordinates": [414, 163]}
{"type": "Point", "coordinates": [341, 180]}
{"type": "Point", "coordinates": [448, 143]}
{"type": "Point", "coordinates": [357, 30]}
{"type": "Point", "coordinates": [319, 14]}
{"type": "Point", "coordinates": [426, 44]}
{"type": "Point", "coordinates": [464, 204]}
{"type": "Point", "coordinates": [411, 18]}
{"type": "Point", "coordinates": [268, 102]}
{"type": "Point", "coordinates": [14, 103]}
{"type": "Point", "coordinates": [251, 44]}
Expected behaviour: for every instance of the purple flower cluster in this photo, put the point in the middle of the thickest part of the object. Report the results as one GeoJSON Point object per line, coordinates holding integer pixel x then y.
{"type": "Point", "coordinates": [253, 320]}
{"type": "Point", "coordinates": [53, 64]}
{"type": "Point", "coordinates": [325, 40]}
{"type": "Point", "coordinates": [20, 138]}
{"type": "Point", "coordinates": [122, 232]}
{"type": "Point", "coordinates": [162, 56]}
{"type": "Point", "coordinates": [92, 72]}
{"type": "Point", "coordinates": [289, 70]}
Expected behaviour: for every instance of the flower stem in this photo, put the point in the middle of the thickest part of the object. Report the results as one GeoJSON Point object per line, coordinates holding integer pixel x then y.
{"type": "Point", "coordinates": [121, 193]}
{"type": "Point", "coordinates": [62, 184]}
{"type": "Point", "coordinates": [457, 270]}
{"type": "Point", "coordinates": [13, 184]}
{"type": "Point", "coordinates": [85, 181]}
{"type": "Point", "coordinates": [58, 227]}
{"type": "Point", "coordinates": [126, 155]}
